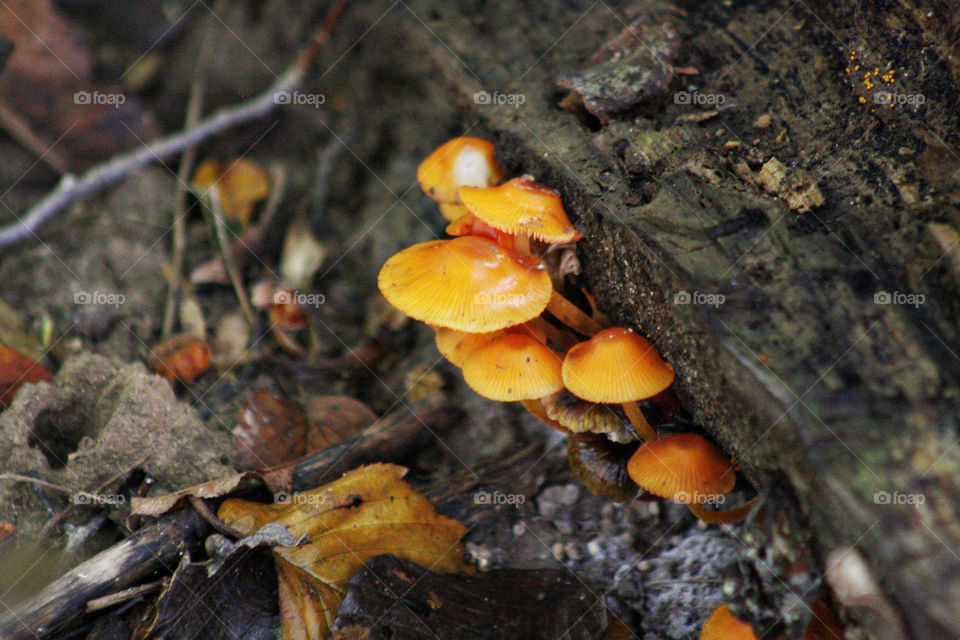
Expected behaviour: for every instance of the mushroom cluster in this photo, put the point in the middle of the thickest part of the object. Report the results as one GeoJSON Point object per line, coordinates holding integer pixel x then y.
{"type": "Point", "coordinates": [488, 296]}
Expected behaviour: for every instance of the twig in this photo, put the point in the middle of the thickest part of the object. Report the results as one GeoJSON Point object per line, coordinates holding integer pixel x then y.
{"type": "Point", "coordinates": [123, 596]}
{"type": "Point", "coordinates": [180, 209]}
{"type": "Point", "coordinates": [102, 175]}
{"type": "Point", "coordinates": [216, 212]}
{"type": "Point", "coordinates": [201, 507]}
{"type": "Point", "coordinates": [21, 131]}
{"type": "Point", "coordinates": [42, 483]}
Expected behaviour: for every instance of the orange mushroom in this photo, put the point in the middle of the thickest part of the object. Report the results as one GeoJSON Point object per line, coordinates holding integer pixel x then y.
{"type": "Point", "coordinates": [514, 367]}
{"type": "Point", "coordinates": [721, 625]}
{"type": "Point", "coordinates": [456, 163]}
{"type": "Point", "coordinates": [468, 283]}
{"type": "Point", "coordinates": [456, 346]}
{"type": "Point", "coordinates": [617, 365]}
{"type": "Point", "coordinates": [690, 469]}
{"type": "Point", "coordinates": [522, 208]}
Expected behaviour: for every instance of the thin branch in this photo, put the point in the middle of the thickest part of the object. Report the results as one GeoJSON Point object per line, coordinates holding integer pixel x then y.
{"type": "Point", "coordinates": [103, 175]}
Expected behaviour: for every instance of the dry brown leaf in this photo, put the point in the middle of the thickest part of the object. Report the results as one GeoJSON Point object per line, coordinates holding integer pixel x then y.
{"type": "Point", "coordinates": [159, 505]}
{"type": "Point", "coordinates": [369, 511]}
{"type": "Point", "coordinates": [240, 184]}
{"type": "Point", "coordinates": [15, 370]}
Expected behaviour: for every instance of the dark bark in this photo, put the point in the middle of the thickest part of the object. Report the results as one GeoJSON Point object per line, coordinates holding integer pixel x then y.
{"type": "Point", "coordinates": [801, 373]}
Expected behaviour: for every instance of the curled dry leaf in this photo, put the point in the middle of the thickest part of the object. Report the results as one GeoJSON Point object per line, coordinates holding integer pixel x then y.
{"type": "Point", "coordinates": [182, 357]}
{"type": "Point", "coordinates": [17, 369]}
{"type": "Point", "coordinates": [159, 505]}
{"type": "Point", "coordinates": [368, 512]}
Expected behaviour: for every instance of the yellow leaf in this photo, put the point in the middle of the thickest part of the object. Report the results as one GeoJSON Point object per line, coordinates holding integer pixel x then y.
{"type": "Point", "coordinates": [368, 512]}
{"type": "Point", "coordinates": [240, 184]}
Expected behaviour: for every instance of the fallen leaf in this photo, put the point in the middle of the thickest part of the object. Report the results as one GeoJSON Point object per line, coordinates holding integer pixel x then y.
{"type": "Point", "coordinates": [159, 505]}
{"type": "Point", "coordinates": [181, 357]}
{"type": "Point", "coordinates": [17, 369]}
{"type": "Point", "coordinates": [368, 512]}
{"type": "Point", "coordinates": [240, 184]}
{"type": "Point", "coordinates": [271, 430]}
{"type": "Point", "coordinates": [333, 419]}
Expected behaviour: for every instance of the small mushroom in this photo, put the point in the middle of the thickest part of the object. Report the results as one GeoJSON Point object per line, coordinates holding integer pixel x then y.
{"type": "Point", "coordinates": [456, 163]}
{"type": "Point", "coordinates": [687, 468]}
{"type": "Point", "coordinates": [514, 367]}
{"type": "Point", "coordinates": [581, 416]}
{"type": "Point", "coordinates": [467, 283]}
{"type": "Point", "coordinates": [601, 465]}
{"type": "Point", "coordinates": [618, 366]}
{"type": "Point", "coordinates": [721, 625]}
{"type": "Point", "coordinates": [456, 346]}
{"type": "Point", "coordinates": [524, 209]}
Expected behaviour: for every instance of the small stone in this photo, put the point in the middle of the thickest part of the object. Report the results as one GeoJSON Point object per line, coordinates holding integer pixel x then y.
{"type": "Point", "coordinates": [557, 551]}
{"type": "Point", "coordinates": [570, 495]}
{"type": "Point", "coordinates": [519, 528]}
{"type": "Point", "coordinates": [594, 548]}
{"type": "Point", "coordinates": [573, 550]}
{"type": "Point", "coordinates": [763, 121]}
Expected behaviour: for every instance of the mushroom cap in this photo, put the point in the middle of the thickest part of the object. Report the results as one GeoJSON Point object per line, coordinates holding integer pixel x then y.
{"type": "Point", "coordinates": [456, 346]}
{"type": "Point", "coordinates": [467, 283]}
{"type": "Point", "coordinates": [683, 467]}
{"type": "Point", "coordinates": [471, 225]}
{"type": "Point", "coordinates": [580, 416]}
{"type": "Point", "coordinates": [456, 163]}
{"type": "Point", "coordinates": [522, 206]}
{"type": "Point", "coordinates": [514, 367]}
{"type": "Point", "coordinates": [616, 365]}
{"type": "Point", "coordinates": [452, 211]}
{"type": "Point", "coordinates": [721, 625]}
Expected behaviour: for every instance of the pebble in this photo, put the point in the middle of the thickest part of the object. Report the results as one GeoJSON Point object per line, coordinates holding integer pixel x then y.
{"type": "Point", "coordinates": [557, 551]}
{"type": "Point", "coordinates": [519, 528]}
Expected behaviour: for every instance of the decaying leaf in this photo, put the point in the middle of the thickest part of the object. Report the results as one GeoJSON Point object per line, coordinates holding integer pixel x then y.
{"type": "Point", "coordinates": [238, 602]}
{"type": "Point", "coordinates": [631, 68]}
{"type": "Point", "coordinates": [368, 512]}
{"type": "Point", "coordinates": [240, 184]}
{"type": "Point", "coordinates": [394, 598]}
{"type": "Point", "coordinates": [270, 431]}
{"type": "Point", "coordinates": [17, 369]}
{"type": "Point", "coordinates": [181, 357]}
{"type": "Point", "coordinates": [333, 419]}
{"type": "Point", "coordinates": [158, 505]}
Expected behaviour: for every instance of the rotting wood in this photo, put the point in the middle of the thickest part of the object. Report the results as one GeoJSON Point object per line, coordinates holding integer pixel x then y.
{"type": "Point", "coordinates": [809, 368]}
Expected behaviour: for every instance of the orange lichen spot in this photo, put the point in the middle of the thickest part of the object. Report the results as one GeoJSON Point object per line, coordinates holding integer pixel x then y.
{"type": "Point", "coordinates": [514, 367]}
{"type": "Point", "coordinates": [468, 283]}
{"type": "Point", "coordinates": [683, 467]}
{"type": "Point", "coordinates": [616, 365]}
{"type": "Point", "coordinates": [456, 163]}
{"type": "Point", "coordinates": [522, 206]}
{"type": "Point", "coordinates": [721, 625]}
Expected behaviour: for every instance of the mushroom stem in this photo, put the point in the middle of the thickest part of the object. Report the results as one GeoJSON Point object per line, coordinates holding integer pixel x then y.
{"type": "Point", "coordinates": [521, 244]}
{"type": "Point", "coordinates": [571, 315]}
{"type": "Point", "coordinates": [722, 517]}
{"type": "Point", "coordinates": [560, 338]}
{"type": "Point", "coordinates": [638, 420]}
{"type": "Point", "coordinates": [537, 411]}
